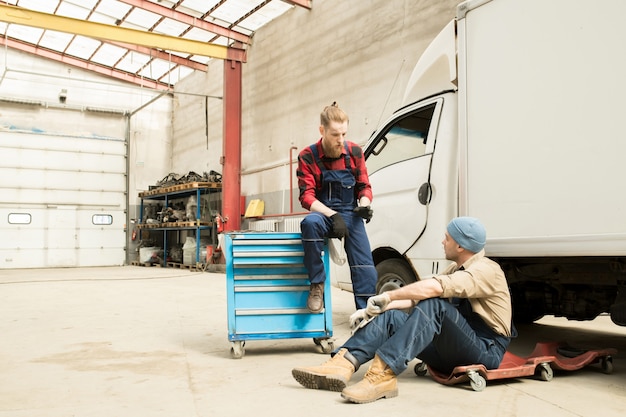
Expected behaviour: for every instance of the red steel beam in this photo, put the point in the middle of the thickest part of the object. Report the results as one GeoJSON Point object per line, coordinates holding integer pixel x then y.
{"type": "Point", "coordinates": [231, 159]}
{"type": "Point", "coordinates": [302, 3]}
{"type": "Point", "coordinates": [77, 62]}
{"type": "Point", "coordinates": [190, 20]}
{"type": "Point", "coordinates": [155, 53]}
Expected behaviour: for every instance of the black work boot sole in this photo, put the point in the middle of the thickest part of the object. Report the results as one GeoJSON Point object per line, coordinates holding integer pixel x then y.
{"type": "Point", "coordinates": [315, 381]}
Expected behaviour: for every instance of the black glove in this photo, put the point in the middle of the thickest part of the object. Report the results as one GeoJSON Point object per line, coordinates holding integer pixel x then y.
{"type": "Point", "coordinates": [364, 211]}
{"type": "Point", "coordinates": [339, 229]}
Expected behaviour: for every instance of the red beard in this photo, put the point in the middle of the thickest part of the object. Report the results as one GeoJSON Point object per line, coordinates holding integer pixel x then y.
{"type": "Point", "coordinates": [333, 151]}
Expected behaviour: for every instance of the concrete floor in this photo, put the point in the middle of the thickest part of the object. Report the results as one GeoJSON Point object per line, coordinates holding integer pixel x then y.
{"type": "Point", "coordinates": [135, 341]}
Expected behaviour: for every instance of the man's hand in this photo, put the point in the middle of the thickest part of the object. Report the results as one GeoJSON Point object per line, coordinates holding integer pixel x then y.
{"type": "Point", "coordinates": [358, 317]}
{"type": "Point", "coordinates": [365, 212]}
{"type": "Point", "coordinates": [377, 304]}
{"type": "Point", "coordinates": [339, 230]}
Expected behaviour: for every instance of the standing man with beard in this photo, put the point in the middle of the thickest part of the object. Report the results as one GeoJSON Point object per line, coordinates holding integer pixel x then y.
{"type": "Point", "coordinates": [335, 187]}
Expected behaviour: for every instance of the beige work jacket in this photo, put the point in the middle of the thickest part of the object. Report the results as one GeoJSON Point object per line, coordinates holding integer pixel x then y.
{"type": "Point", "coordinates": [482, 281]}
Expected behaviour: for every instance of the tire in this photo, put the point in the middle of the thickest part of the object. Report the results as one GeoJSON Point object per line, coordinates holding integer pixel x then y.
{"type": "Point", "coordinates": [393, 273]}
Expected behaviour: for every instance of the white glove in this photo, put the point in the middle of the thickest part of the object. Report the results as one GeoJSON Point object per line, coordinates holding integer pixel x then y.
{"type": "Point", "coordinates": [377, 304]}
{"type": "Point", "coordinates": [357, 317]}
{"type": "Point", "coordinates": [360, 319]}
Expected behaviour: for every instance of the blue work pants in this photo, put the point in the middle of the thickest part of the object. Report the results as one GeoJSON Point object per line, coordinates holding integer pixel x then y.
{"type": "Point", "coordinates": [315, 227]}
{"type": "Point", "coordinates": [435, 332]}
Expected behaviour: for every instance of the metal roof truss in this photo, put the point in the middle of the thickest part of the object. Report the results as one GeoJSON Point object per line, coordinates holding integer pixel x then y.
{"type": "Point", "coordinates": [152, 43]}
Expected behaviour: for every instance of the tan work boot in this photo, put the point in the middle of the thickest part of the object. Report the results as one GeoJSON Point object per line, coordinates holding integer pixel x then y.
{"type": "Point", "coordinates": [315, 302]}
{"type": "Point", "coordinates": [379, 382]}
{"type": "Point", "coordinates": [333, 375]}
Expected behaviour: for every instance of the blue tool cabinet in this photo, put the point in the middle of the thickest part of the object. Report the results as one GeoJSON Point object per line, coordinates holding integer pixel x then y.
{"type": "Point", "coordinates": [267, 289]}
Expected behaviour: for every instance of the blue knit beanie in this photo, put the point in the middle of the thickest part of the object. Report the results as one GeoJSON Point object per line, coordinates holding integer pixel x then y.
{"type": "Point", "coordinates": [468, 232]}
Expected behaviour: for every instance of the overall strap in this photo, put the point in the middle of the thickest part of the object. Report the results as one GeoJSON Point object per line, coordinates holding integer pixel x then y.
{"type": "Point", "coordinates": [316, 156]}
{"type": "Point", "coordinates": [348, 165]}
{"type": "Point", "coordinates": [319, 163]}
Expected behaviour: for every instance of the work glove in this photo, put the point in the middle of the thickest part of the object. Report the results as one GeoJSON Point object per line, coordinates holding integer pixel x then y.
{"type": "Point", "coordinates": [359, 319]}
{"type": "Point", "coordinates": [365, 212]}
{"type": "Point", "coordinates": [377, 304]}
{"type": "Point", "coordinates": [339, 229]}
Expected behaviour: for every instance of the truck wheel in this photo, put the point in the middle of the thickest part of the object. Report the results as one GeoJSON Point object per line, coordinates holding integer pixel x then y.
{"type": "Point", "coordinates": [393, 273]}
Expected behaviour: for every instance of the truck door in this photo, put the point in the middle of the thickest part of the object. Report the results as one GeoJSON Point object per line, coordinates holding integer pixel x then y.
{"type": "Point", "coordinates": [399, 159]}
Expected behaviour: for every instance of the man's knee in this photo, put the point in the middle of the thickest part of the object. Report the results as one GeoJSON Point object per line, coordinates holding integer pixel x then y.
{"type": "Point", "coordinates": [434, 309]}
{"type": "Point", "coordinates": [433, 304]}
{"type": "Point", "coordinates": [313, 223]}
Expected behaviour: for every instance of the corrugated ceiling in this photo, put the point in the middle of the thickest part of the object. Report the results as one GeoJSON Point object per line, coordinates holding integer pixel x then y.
{"type": "Point", "coordinates": [227, 23]}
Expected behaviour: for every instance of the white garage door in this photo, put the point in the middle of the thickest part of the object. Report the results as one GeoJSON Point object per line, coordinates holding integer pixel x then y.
{"type": "Point", "coordinates": [63, 200]}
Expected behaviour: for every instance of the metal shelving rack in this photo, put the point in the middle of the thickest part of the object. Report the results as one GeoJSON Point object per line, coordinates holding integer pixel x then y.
{"type": "Point", "coordinates": [167, 194]}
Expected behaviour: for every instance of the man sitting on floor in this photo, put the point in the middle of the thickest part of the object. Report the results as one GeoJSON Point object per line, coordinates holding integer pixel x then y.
{"type": "Point", "coordinates": [460, 317]}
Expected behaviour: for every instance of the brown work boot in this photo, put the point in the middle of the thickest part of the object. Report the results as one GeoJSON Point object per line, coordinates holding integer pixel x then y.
{"type": "Point", "coordinates": [333, 375]}
{"type": "Point", "coordinates": [315, 302]}
{"type": "Point", "coordinates": [379, 382]}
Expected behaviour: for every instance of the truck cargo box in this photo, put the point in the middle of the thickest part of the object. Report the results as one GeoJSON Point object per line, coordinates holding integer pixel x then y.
{"type": "Point", "coordinates": [542, 99]}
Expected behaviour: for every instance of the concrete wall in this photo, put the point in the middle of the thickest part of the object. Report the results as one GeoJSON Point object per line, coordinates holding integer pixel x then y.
{"type": "Point", "coordinates": [359, 53]}
{"type": "Point", "coordinates": [197, 121]}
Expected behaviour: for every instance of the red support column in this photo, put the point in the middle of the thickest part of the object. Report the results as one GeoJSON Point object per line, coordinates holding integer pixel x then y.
{"type": "Point", "coordinates": [231, 159]}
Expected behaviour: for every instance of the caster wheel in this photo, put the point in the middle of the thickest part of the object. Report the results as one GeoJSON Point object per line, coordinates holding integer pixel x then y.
{"type": "Point", "coordinates": [607, 364]}
{"type": "Point", "coordinates": [237, 350]}
{"type": "Point", "coordinates": [477, 382]}
{"type": "Point", "coordinates": [545, 372]}
{"type": "Point", "coordinates": [326, 345]}
{"type": "Point", "coordinates": [420, 369]}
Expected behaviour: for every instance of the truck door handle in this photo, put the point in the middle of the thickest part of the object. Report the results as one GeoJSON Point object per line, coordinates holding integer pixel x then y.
{"type": "Point", "coordinates": [424, 194]}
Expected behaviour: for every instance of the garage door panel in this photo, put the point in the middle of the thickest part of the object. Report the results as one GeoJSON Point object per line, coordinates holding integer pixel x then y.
{"type": "Point", "coordinates": [62, 182]}
{"type": "Point", "coordinates": [93, 235]}
{"type": "Point", "coordinates": [24, 258]}
{"type": "Point", "coordinates": [101, 256]}
{"type": "Point", "coordinates": [98, 238]}
{"type": "Point", "coordinates": [69, 181]}
{"type": "Point", "coordinates": [61, 258]}
{"type": "Point", "coordinates": [63, 197]}
{"type": "Point", "coordinates": [36, 141]}
{"type": "Point", "coordinates": [21, 238]}
{"type": "Point", "coordinates": [66, 160]}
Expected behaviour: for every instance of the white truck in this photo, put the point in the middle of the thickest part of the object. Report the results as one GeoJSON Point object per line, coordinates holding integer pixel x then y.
{"type": "Point", "coordinates": [514, 114]}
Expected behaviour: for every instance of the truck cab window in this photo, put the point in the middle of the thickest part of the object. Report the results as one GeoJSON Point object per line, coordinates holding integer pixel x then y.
{"type": "Point", "coordinates": [403, 139]}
